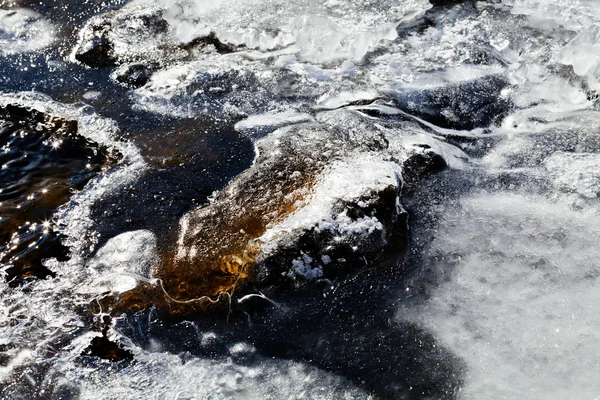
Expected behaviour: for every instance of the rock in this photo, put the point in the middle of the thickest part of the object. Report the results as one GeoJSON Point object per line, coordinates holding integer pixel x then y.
{"type": "Point", "coordinates": [319, 203]}
{"type": "Point", "coordinates": [136, 34]}
{"type": "Point", "coordinates": [131, 34]}
{"type": "Point", "coordinates": [132, 75]}
{"type": "Point", "coordinates": [95, 49]}
{"type": "Point", "coordinates": [438, 3]}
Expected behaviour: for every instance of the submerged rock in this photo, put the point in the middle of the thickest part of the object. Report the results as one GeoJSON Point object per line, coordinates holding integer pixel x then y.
{"type": "Point", "coordinates": [464, 105]}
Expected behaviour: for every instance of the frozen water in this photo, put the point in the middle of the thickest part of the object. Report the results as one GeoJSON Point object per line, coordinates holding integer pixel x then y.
{"type": "Point", "coordinates": [319, 30]}
{"type": "Point", "coordinates": [172, 377]}
{"type": "Point", "coordinates": [519, 297]}
{"type": "Point", "coordinates": [515, 257]}
{"type": "Point", "coordinates": [23, 30]}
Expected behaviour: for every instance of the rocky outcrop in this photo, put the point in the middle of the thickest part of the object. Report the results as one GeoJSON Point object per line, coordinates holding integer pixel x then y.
{"type": "Point", "coordinates": [318, 204]}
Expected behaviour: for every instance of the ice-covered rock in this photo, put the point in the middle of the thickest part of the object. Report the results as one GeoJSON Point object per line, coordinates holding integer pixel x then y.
{"type": "Point", "coordinates": [130, 252]}
{"type": "Point", "coordinates": [320, 202]}
{"type": "Point", "coordinates": [131, 34]}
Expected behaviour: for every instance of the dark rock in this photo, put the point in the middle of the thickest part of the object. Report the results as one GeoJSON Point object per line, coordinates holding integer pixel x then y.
{"type": "Point", "coordinates": [95, 48]}
{"type": "Point", "coordinates": [419, 166]}
{"type": "Point", "coordinates": [210, 40]}
{"type": "Point", "coordinates": [438, 3]}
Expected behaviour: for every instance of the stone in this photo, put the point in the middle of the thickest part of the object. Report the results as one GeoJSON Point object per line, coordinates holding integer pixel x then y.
{"type": "Point", "coordinates": [319, 203]}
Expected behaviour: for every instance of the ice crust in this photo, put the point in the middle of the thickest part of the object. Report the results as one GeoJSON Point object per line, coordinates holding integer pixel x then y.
{"type": "Point", "coordinates": [519, 301]}
{"type": "Point", "coordinates": [168, 376]}
{"type": "Point", "coordinates": [513, 265]}
{"type": "Point", "coordinates": [23, 30]}
{"type": "Point", "coordinates": [319, 30]}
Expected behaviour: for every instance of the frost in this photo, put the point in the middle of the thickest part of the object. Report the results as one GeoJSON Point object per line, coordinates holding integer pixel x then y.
{"type": "Point", "coordinates": [302, 266]}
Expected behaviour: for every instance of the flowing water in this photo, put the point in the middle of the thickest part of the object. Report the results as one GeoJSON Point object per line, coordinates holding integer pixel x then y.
{"type": "Point", "coordinates": [105, 150]}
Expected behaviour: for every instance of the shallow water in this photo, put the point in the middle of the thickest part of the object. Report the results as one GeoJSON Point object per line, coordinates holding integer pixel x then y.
{"type": "Point", "coordinates": [496, 295]}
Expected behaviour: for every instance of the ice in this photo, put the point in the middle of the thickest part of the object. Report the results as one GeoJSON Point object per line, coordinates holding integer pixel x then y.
{"type": "Point", "coordinates": [583, 53]}
{"type": "Point", "coordinates": [302, 266]}
{"type": "Point", "coordinates": [518, 300]}
{"type": "Point", "coordinates": [572, 14]}
{"type": "Point", "coordinates": [514, 257]}
{"type": "Point", "coordinates": [23, 30]}
{"type": "Point", "coordinates": [130, 252]}
{"type": "Point", "coordinates": [169, 376]}
{"type": "Point", "coordinates": [255, 125]}
{"type": "Point", "coordinates": [575, 172]}
{"type": "Point", "coordinates": [351, 28]}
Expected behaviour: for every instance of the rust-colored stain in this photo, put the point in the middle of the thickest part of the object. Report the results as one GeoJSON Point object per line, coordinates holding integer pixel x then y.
{"type": "Point", "coordinates": [218, 243]}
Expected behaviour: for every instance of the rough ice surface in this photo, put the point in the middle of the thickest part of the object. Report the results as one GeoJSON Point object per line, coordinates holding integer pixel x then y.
{"type": "Point", "coordinates": [515, 259]}
{"type": "Point", "coordinates": [518, 303]}
{"type": "Point", "coordinates": [171, 377]}
{"type": "Point", "coordinates": [319, 30]}
{"type": "Point", "coordinates": [23, 30]}
{"type": "Point", "coordinates": [303, 266]}
{"type": "Point", "coordinates": [575, 172]}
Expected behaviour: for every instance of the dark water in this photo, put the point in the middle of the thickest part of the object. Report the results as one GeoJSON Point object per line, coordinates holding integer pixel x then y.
{"type": "Point", "coordinates": [44, 161]}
